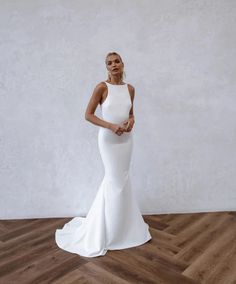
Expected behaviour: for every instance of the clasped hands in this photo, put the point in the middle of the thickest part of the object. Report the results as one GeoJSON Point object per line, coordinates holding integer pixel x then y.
{"type": "Point", "coordinates": [125, 126]}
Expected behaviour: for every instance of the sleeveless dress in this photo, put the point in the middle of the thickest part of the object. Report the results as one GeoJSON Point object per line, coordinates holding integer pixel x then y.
{"type": "Point", "coordinates": [114, 220]}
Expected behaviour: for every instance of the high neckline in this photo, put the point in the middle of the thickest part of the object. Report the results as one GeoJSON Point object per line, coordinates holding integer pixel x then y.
{"type": "Point", "coordinates": [116, 84]}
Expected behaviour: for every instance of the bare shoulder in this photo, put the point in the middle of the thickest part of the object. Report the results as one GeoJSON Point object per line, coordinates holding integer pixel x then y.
{"type": "Point", "coordinates": [131, 90]}
{"type": "Point", "coordinates": [98, 93]}
{"type": "Point", "coordinates": [100, 87]}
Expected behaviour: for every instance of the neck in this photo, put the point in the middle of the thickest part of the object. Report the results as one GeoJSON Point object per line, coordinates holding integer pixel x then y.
{"type": "Point", "coordinates": [116, 80]}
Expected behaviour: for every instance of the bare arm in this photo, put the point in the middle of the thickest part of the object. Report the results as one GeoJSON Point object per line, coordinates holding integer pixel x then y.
{"type": "Point", "coordinates": [132, 94]}
{"type": "Point", "coordinates": [92, 105]}
{"type": "Point", "coordinates": [129, 123]}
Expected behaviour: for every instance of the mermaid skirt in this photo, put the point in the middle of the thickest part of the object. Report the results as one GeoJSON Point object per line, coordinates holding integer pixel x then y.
{"type": "Point", "coordinates": [114, 220]}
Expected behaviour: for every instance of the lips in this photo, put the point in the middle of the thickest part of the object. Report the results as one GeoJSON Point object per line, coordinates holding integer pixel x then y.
{"type": "Point", "coordinates": [115, 69]}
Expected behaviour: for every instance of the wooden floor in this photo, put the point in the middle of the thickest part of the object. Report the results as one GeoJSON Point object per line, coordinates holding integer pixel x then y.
{"type": "Point", "coordinates": [185, 248]}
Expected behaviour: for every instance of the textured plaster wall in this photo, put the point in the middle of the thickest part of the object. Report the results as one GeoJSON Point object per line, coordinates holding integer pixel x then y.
{"type": "Point", "coordinates": [179, 56]}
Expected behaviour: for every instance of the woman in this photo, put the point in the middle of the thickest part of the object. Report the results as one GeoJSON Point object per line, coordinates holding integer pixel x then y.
{"type": "Point", "coordinates": [114, 220]}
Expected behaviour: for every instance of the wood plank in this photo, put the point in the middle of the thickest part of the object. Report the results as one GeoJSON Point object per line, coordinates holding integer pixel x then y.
{"type": "Point", "coordinates": [203, 265]}
{"type": "Point", "coordinates": [185, 248]}
{"type": "Point", "coordinates": [194, 248]}
{"type": "Point", "coordinates": [152, 271]}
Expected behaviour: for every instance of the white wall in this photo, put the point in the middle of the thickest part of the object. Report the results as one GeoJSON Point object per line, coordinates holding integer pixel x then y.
{"type": "Point", "coordinates": [179, 56]}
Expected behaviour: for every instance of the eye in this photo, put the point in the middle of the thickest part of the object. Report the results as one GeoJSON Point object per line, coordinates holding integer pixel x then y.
{"type": "Point", "coordinates": [117, 61]}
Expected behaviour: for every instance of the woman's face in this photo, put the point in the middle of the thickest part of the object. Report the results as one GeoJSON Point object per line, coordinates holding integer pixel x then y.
{"type": "Point", "coordinates": [114, 65]}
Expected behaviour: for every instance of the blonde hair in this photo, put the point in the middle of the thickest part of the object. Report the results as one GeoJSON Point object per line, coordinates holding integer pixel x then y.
{"type": "Point", "coordinates": [123, 75]}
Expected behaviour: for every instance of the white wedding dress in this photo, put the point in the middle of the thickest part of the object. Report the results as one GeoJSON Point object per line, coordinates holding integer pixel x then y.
{"type": "Point", "coordinates": [114, 220]}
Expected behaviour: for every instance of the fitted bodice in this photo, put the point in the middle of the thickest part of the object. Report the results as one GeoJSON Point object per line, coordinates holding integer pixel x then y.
{"type": "Point", "coordinates": [117, 104]}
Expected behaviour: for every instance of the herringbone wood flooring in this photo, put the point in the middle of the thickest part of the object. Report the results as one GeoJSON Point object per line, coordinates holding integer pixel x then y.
{"type": "Point", "coordinates": [185, 248]}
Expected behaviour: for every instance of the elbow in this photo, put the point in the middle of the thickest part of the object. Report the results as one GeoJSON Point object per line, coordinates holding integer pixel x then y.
{"type": "Point", "coordinates": [87, 116]}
